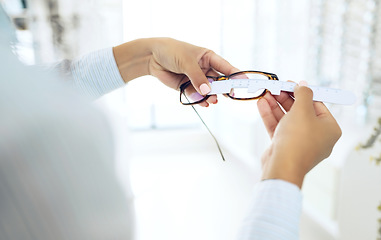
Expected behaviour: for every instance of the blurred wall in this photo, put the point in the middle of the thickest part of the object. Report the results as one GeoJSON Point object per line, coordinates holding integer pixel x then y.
{"type": "Point", "coordinates": [64, 29]}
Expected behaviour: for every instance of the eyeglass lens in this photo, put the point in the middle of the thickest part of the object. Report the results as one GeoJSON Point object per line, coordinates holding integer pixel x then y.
{"type": "Point", "coordinates": [242, 93]}
{"type": "Point", "coordinates": [190, 95]}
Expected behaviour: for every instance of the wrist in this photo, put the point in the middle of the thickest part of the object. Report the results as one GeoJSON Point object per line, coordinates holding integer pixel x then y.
{"type": "Point", "coordinates": [132, 58]}
{"type": "Point", "coordinates": [284, 168]}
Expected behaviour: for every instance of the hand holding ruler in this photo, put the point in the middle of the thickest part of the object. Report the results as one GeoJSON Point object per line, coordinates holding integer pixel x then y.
{"type": "Point", "coordinates": [321, 94]}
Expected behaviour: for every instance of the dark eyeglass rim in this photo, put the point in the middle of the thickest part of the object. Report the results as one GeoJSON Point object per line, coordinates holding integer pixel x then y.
{"type": "Point", "coordinates": [271, 76]}
{"type": "Point", "coordinates": [183, 86]}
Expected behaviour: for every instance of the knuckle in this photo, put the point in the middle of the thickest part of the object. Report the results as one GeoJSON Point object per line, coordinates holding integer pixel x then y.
{"type": "Point", "coordinates": [339, 132]}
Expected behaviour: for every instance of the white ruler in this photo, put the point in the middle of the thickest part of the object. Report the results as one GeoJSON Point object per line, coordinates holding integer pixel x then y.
{"type": "Point", "coordinates": [321, 94]}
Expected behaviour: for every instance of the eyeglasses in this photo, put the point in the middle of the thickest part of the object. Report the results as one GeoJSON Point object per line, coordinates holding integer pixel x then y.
{"type": "Point", "coordinates": [190, 96]}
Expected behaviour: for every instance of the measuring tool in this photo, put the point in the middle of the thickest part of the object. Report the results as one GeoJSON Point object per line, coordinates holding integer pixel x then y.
{"type": "Point", "coordinates": [321, 94]}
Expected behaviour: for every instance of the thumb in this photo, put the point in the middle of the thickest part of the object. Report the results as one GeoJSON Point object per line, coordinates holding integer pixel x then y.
{"type": "Point", "coordinates": [303, 98]}
{"type": "Point", "coordinates": [197, 77]}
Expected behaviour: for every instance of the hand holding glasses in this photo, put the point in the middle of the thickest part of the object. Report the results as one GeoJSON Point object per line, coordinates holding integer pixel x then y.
{"type": "Point", "coordinates": [189, 95]}
{"type": "Point", "coordinates": [252, 85]}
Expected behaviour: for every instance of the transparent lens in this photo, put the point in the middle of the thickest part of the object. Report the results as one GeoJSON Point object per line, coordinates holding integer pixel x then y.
{"type": "Point", "coordinates": [242, 92]}
{"type": "Point", "coordinates": [190, 95]}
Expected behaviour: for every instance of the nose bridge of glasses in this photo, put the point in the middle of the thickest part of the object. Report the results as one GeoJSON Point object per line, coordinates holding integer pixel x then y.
{"type": "Point", "coordinates": [220, 78]}
{"type": "Point", "coordinates": [273, 86]}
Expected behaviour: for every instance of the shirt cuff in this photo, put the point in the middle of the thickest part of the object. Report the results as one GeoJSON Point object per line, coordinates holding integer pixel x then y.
{"type": "Point", "coordinates": [274, 213]}
{"type": "Point", "coordinates": [96, 73]}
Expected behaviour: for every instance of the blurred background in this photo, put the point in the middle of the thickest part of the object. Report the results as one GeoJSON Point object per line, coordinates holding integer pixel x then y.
{"type": "Point", "coordinates": [182, 188]}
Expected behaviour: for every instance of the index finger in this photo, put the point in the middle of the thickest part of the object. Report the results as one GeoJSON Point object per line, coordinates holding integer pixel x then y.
{"type": "Point", "coordinates": [267, 115]}
{"type": "Point", "coordinates": [220, 64]}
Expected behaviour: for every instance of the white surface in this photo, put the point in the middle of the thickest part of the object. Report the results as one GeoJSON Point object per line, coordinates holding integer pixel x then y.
{"type": "Point", "coordinates": [183, 189]}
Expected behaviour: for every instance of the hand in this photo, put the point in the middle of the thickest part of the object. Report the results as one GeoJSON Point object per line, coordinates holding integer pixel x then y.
{"type": "Point", "coordinates": [301, 139]}
{"type": "Point", "coordinates": [172, 62]}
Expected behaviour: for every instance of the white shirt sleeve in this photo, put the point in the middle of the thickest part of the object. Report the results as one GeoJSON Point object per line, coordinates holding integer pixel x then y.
{"type": "Point", "coordinates": [57, 175]}
{"type": "Point", "coordinates": [274, 213]}
{"type": "Point", "coordinates": [93, 74]}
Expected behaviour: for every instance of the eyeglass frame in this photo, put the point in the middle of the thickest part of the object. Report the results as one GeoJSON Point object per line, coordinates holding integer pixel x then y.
{"type": "Point", "coordinates": [270, 76]}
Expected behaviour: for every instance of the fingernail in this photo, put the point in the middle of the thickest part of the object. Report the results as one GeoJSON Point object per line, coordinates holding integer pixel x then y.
{"type": "Point", "coordinates": [204, 88]}
{"type": "Point", "coordinates": [303, 83]}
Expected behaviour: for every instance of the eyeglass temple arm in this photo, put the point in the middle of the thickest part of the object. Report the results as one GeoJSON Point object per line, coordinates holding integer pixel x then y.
{"type": "Point", "coordinates": [215, 140]}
